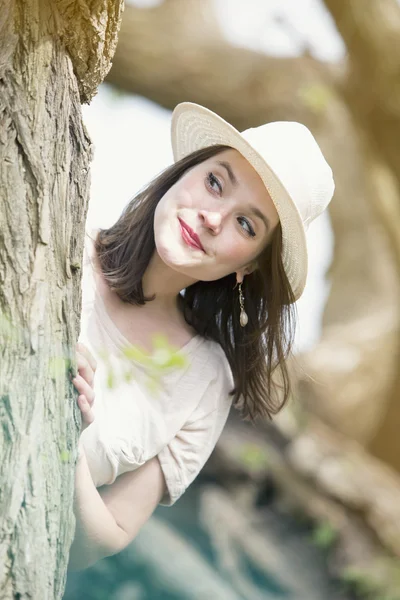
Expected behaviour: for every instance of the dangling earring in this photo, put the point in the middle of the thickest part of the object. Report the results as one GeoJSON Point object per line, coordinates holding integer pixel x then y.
{"type": "Point", "coordinates": [244, 319]}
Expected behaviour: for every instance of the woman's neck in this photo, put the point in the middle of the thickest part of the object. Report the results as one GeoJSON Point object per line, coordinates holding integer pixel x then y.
{"type": "Point", "coordinates": [165, 283]}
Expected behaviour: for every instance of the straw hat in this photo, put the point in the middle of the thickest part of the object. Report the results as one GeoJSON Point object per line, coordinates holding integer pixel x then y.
{"type": "Point", "coordinates": [289, 162]}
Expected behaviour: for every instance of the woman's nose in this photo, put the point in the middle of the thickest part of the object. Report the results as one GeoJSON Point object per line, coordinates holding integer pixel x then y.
{"type": "Point", "coordinates": [211, 220]}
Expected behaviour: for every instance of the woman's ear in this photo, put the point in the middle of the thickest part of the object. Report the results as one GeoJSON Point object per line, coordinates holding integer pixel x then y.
{"type": "Point", "coordinates": [251, 267]}
{"type": "Point", "coordinates": [246, 271]}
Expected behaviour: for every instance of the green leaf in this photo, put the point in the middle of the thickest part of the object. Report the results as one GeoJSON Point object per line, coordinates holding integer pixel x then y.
{"type": "Point", "coordinates": [324, 535]}
{"type": "Point", "coordinates": [153, 385]}
{"type": "Point", "coordinates": [315, 96]}
{"type": "Point", "coordinates": [58, 367]}
{"type": "Point", "coordinates": [64, 456]}
{"type": "Point", "coordinates": [254, 457]}
{"type": "Point", "coordinates": [136, 354]}
{"type": "Point", "coordinates": [110, 379]}
{"type": "Point", "coordinates": [128, 376]}
{"type": "Point", "coordinates": [8, 331]}
{"type": "Point", "coordinates": [178, 360]}
{"type": "Point", "coordinates": [160, 341]}
{"type": "Point", "coordinates": [161, 358]}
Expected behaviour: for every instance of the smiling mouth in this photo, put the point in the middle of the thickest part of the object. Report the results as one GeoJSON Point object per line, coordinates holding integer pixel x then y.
{"type": "Point", "coordinates": [189, 236]}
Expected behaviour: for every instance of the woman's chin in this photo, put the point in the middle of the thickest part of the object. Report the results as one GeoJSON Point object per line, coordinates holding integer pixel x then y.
{"type": "Point", "coordinates": [187, 261]}
{"type": "Point", "coordinates": [174, 260]}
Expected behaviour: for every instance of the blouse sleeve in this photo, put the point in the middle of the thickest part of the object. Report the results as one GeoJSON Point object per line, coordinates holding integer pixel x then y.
{"type": "Point", "coordinates": [184, 457]}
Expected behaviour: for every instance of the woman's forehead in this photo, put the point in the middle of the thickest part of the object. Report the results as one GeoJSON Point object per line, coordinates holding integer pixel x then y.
{"type": "Point", "coordinates": [240, 171]}
{"type": "Point", "coordinates": [245, 179]}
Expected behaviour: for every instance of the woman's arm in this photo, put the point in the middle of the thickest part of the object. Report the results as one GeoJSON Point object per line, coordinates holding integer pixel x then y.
{"type": "Point", "coordinates": [134, 496]}
{"type": "Point", "coordinates": [96, 533]}
{"type": "Point", "coordinates": [108, 519]}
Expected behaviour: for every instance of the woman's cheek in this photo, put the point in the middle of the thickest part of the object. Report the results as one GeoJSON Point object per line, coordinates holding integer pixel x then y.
{"type": "Point", "coordinates": [235, 248]}
{"type": "Point", "coordinates": [241, 257]}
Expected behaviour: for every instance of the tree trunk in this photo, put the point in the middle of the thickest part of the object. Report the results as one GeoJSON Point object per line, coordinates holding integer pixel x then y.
{"type": "Point", "coordinates": [44, 180]}
{"type": "Point", "coordinates": [372, 91]}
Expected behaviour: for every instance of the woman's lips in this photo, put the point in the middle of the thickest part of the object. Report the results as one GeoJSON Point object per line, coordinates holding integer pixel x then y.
{"type": "Point", "coordinates": [189, 236]}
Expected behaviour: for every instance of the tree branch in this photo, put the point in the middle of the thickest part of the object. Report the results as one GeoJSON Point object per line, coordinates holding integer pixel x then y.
{"type": "Point", "coordinates": [170, 55]}
{"type": "Point", "coordinates": [89, 32]}
{"type": "Point", "coordinates": [371, 32]}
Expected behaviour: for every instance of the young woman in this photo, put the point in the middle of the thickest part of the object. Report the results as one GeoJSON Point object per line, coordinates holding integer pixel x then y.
{"type": "Point", "coordinates": [212, 254]}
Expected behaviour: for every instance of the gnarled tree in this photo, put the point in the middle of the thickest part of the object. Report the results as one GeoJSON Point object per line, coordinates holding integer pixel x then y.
{"type": "Point", "coordinates": [53, 55]}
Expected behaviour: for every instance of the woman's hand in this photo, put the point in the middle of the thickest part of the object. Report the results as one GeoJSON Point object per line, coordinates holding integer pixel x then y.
{"type": "Point", "coordinates": [84, 383]}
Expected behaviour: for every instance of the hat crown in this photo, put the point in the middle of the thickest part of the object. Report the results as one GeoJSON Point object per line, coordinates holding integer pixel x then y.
{"type": "Point", "coordinates": [294, 156]}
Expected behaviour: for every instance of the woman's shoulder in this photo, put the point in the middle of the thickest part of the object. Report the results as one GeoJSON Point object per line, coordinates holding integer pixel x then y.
{"type": "Point", "coordinates": [218, 365]}
{"type": "Point", "coordinates": [88, 284]}
{"type": "Point", "coordinates": [89, 242]}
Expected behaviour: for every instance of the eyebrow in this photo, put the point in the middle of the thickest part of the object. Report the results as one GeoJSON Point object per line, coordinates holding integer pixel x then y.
{"type": "Point", "coordinates": [257, 212]}
{"type": "Point", "coordinates": [253, 209]}
{"type": "Point", "coordinates": [231, 174]}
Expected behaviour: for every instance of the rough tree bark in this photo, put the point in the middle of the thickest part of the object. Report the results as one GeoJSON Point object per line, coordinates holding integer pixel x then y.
{"type": "Point", "coordinates": [53, 55]}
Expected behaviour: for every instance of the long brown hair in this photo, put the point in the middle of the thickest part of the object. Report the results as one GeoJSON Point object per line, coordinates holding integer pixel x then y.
{"type": "Point", "coordinates": [256, 353]}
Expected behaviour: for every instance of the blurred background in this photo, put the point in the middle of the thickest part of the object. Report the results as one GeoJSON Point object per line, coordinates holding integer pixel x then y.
{"type": "Point", "coordinates": [306, 507]}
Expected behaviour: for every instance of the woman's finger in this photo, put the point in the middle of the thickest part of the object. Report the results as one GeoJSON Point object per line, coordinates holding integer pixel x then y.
{"type": "Point", "coordinates": [81, 348]}
{"type": "Point", "coordinates": [86, 411]}
{"type": "Point", "coordinates": [84, 368]}
{"type": "Point", "coordinates": [84, 388]}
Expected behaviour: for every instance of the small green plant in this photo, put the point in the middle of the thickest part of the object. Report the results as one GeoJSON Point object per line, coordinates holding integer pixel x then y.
{"type": "Point", "coordinates": [254, 457]}
{"type": "Point", "coordinates": [315, 96]}
{"type": "Point", "coordinates": [59, 366]}
{"type": "Point", "coordinates": [7, 330]}
{"type": "Point", "coordinates": [163, 358]}
{"type": "Point", "coordinates": [64, 456]}
{"type": "Point", "coordinates": [324, 535]}
{"type": "Point", "coordinates": [378, 581]}
{"type": "Point", "coordinates": [393, 575]}
{"type": "Point", "coordinates": [361, 582]}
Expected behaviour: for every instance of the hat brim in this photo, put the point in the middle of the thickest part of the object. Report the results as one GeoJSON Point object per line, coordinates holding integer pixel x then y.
{"type": "Point", "coordinates": [195, 127]}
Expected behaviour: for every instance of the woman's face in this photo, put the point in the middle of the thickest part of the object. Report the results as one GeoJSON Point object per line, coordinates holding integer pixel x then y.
{"type": "Point", "coordinates": [215, 220]}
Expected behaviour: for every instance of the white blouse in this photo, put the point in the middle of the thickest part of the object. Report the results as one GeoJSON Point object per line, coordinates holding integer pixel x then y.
{"type": "Point", "coordinates": [178, 417]}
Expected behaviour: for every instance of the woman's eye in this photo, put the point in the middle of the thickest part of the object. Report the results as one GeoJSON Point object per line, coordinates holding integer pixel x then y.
{"type": "Point", "coordinates": [246, 226]}
{"type": "Point", "coordinates": [214, 183]}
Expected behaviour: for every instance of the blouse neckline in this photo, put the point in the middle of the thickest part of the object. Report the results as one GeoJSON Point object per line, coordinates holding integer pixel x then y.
{"type": "Point", "coordinates": [114, 332]}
